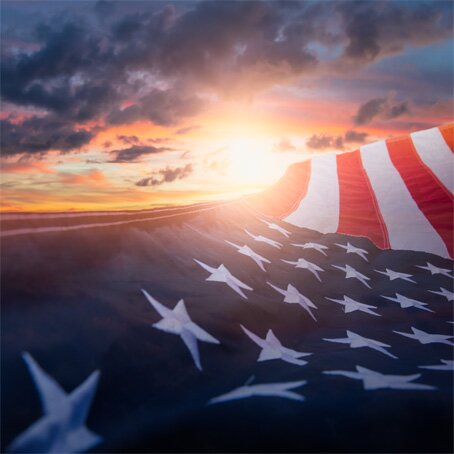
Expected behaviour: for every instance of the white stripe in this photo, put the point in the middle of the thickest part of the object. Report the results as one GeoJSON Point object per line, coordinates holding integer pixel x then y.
{"type": "Point", "coordinates": [31, 230]}
{"type": "Point", "coordinates": [436, 154]}
{"type": "Point", "coordinates": [407, 226]}
{"type": "Point", "coordinates": [319, 210]}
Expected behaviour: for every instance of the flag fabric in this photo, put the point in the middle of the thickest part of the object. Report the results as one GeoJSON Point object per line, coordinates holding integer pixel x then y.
{"type": "Point", "coordinates": [398, 193]}
{"type": "Point", "coordinates": [240, 326]}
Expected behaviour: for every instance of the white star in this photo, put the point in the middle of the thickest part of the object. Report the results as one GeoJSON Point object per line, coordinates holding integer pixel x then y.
{"type": "Point", "coordinates": [247, 251]}
{"type": "Point", "coordinates": [375, 380]}
{"type": "Point", "coordinates": [352, 306]}
{"type": "Point", "coordinates": [62, 428]}
{"type": "Point", "coordinates": [304, 264]}
{"type": "Point", "coordinates": [177, 321]}
{"type": "Point", "coordinates": [318, 247]}
{"type": "Point", "coordinates": [278, 228]}
{"type": "Point", "coordinates": [273, 349]}
{"type": "Point", "coordinates": [427, 338]}
{"type": "Point", "coordinates": [264, 239]}
{"type": "Point", "coordinates": [436, 270]}
{"type": "Point", "coordinates": [222, 274]}
{"type": "Point", "coordinates": [354, 250]}
{"type": "Point", "coordinates": [350, 272]}
{"type": "Point", "coordinates": [396, 275]}
{"type": "Point", "coordinates": [262, 389]}
{"type": "Point", "coordinates": [447, 365]}
{"type": "Point", "coordinates": [443, 292]}
{"type": "Point", "coordinates": [407, 302]}
{"type": "Point", "coordinates": [293, 296]}
{"type": "Point", "coordinates": [357, 341]}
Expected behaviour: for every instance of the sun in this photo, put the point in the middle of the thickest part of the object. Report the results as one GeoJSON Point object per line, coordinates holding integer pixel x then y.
{"type": "Point", "coordinates": [250, 163]}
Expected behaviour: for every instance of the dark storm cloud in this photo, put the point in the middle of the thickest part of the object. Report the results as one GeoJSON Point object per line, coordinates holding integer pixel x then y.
{"type": "Point", "coordinates": [60, 76]}
{"type": "Point", "coordinates": [323, 141]}
{"type": "Point", "coordinates": [156, 59]}
{"type": "Point", "coordinates": [377, 29]}
{"type": "Point", "coordinates": [166, 175]}
{"type": "Point", "coordinates": [125, 29]}
{"type": "Point", "coordinates": [162, 107]}
{"type": "Point", "coordinates": [104, 9]}
{"type": "Point", "coordinates": [217, 43]}
{"type": "Point", "coordinates": [39, 135]}
{"type": "Point", "coordinates": [381, 108]}
{"type": "Point", "coordinates": [132, 154]}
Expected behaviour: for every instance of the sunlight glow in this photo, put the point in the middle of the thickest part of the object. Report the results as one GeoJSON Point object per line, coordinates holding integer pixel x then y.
{"type": "Point", "coordinates": [249, 163]}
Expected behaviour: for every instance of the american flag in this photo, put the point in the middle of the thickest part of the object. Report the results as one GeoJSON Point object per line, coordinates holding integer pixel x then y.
{"type": "Point", "coordinates": [316, 317]}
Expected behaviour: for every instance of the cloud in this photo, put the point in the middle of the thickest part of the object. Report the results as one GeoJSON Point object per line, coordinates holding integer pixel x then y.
{"type": "Point", "coordinates": [92, 177]}
{"type": "Point", "coordinates": [186, 130]}
{"type": "Point", "coordinates": [355, 136]}
{"type": "Point", "coordinates": [381, 108]}
{"type": "Point", "coordinates": [324, 141]}
{"type": "Point", "coordinates": [25, 166]}
{"type": "Point", "coordinates": [128, 140]}
{"type": "Point", "coordinates": [59, 76]}
{"type": "Point", "coordinates": [284, 145]}
{"type": "Point", "coordinates": [397, 110]}
{"type": "Point", "coordinates": [157, 140]}
{"type": "Point", "coordinates": [166, 175]}
{"type": "Point", "coordinates": [374, 30]}
{"type": "Point", "coordinates": [161, 61]}
{"type": "Point", "coordinates": [210, 44]}
{"type": "Point", "coordinates": [440, 108]}
{"type": "Point", "coordinates": [41, 134]}
{"type": "Point", "coordinates": [133, 153]}
{"type": "Point", "coordinates": [103, 8]}
{"type": "Point", "coordinates": [162, 107]}
{"type": "Point", "coordinates": [368, 111]}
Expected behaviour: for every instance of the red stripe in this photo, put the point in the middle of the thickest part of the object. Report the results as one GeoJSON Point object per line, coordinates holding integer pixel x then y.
{"type": "Point", "coordinates": [432, 198]}
{"type": "Point", "coordinates": [447, 131]}
{"type": "Point", "coordinates": [359, 214]}
{"type": "Point", "coordinates": [285, 196]}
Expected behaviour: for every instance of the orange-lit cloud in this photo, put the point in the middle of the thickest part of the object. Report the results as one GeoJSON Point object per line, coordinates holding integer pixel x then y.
{"type": "Point", "coordinates": [91, 177]}
{"type": "Point", "coordinates": [26, 167]}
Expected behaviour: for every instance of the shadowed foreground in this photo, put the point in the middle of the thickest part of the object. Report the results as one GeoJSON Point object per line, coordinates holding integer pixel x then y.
{"type": "Point", "coordinates": [73, 300]}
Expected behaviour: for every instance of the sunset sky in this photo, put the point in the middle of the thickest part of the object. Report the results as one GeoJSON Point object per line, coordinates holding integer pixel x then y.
{"type": "Point", "coordinates": [114, 105]}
